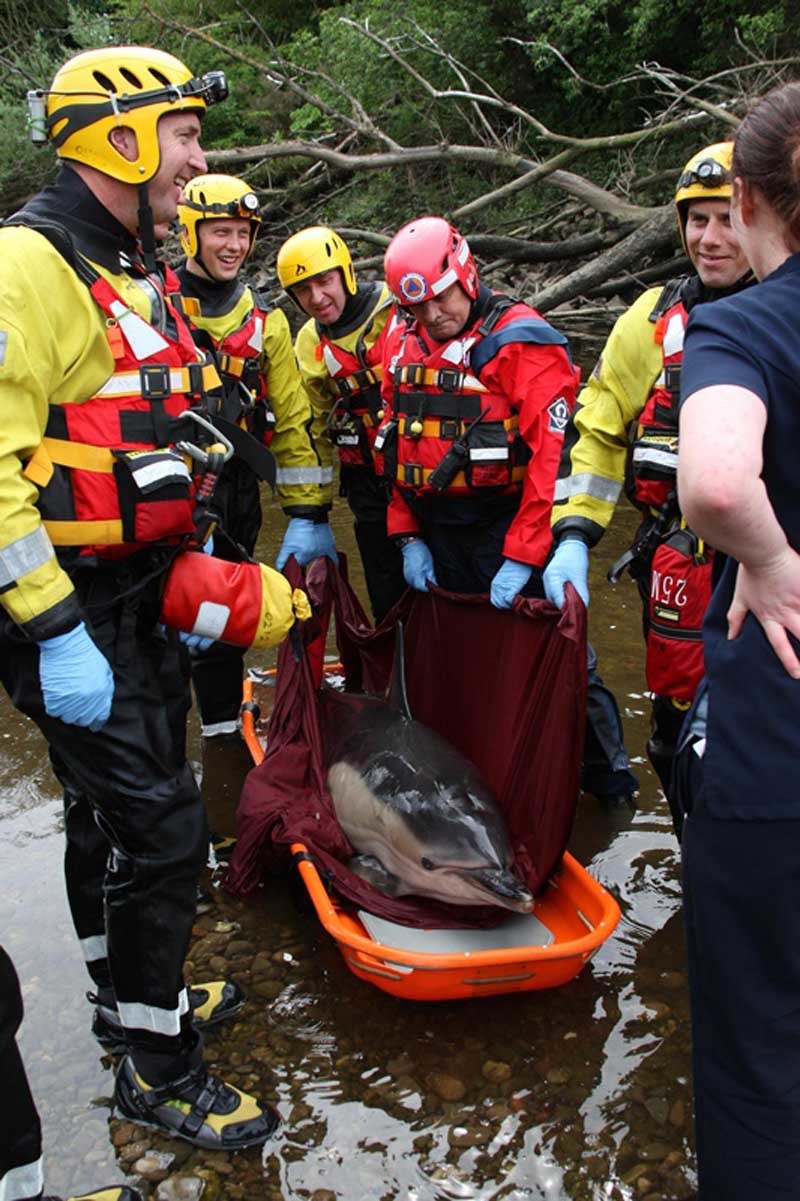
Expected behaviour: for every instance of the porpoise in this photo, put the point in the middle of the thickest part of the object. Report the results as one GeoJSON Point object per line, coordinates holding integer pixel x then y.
{"type": "Point", "coordinates": [418, 812]}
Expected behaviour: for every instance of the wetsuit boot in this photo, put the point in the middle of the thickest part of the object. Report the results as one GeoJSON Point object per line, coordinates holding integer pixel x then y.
{"type": "Point", "coordinates": [211, 1003]}
{"type": "Point", "coordinates": [115, 1193]}
{"type": "Point", "coordinates": [197, 1107]}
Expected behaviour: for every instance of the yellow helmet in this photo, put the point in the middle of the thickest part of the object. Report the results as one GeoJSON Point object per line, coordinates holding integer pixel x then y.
{"type": "Point", "coordinates": [706, 176]}
{"type": "Point", "coordinates": [209, 197]}
{"type": "Point", "coordinates": [98, 90]}
{"type": "Point", "coordinates": [312, 251]}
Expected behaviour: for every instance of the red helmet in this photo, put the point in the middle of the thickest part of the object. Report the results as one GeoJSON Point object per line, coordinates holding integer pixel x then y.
{"type": "Point", "coordinates": [425, 257]}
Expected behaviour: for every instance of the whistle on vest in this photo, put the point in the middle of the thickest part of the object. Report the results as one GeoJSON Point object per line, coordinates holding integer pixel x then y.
{"type": "Point", "coordinates": [455, 460]}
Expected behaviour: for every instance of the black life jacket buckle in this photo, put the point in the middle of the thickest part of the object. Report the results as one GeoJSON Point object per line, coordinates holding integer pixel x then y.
{"type": "Point", "coordinates": [154, 379]}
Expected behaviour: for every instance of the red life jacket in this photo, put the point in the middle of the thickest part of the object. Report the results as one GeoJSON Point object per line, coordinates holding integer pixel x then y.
{"type": "Point", "coordinates": [680, 590]}
{"type": "Point", "coordinates": [240, 357]}
{"type": "Point", "coordinates": [681, 567]}
{"type": "Point", "coordinates": [654, 458]}
{"type": "Point", "coordinates": [109, 477]}
{"type": "Point", "coordinates": [451, 432]}
{"type": "Point", "coordinates": [357, 408]}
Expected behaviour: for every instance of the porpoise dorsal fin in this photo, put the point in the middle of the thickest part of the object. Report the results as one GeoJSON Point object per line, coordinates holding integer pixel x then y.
{"type": "Point", "coordinates": [396, 695]}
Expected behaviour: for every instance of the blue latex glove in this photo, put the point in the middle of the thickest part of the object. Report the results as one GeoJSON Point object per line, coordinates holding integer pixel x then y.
{"type": "Point", "coordinates": [76, 679]}
{"type": "Point", "coordinates": [418, 565]}
{"type": "Point", "coordinates": [325, 543]}
{"type": "Point", "coordinates": [508, 581]}
{"type": "Point", "coordinates": [569, 564]}
{"type": "Point", "coordinates": [299, 540]}
{"type": "Point", "coordinates": [195, 642]}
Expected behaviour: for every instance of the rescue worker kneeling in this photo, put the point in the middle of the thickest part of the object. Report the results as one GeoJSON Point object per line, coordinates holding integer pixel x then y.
{"type": "Point", "coordinates": [477, 391]}
{"type": "Point", "coordinates": [103, 391]}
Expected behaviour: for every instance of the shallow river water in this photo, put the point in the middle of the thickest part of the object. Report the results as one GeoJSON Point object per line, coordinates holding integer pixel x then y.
{"type": "Point", "coordinates": [570, 1094]}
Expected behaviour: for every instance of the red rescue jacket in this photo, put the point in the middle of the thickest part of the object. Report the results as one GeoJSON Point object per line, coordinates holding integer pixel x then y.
{"type": "Point", "coordinates": [481, 415]}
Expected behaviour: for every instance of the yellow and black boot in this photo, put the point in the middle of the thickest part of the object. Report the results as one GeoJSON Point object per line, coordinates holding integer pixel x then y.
{"type": "Point", "coordinates": [211, 1003]}
{"type": "Point", "coordinates": [197, 1107]}
{"type": "Point", "coordinates": [115, 1193]}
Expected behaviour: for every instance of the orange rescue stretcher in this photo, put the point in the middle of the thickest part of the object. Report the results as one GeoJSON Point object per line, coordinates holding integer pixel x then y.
{"type": "Point", "coordinates": [572, 917]}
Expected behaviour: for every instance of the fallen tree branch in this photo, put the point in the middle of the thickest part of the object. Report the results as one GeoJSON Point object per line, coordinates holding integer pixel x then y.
{"type": "Point", "coordinates": [655, 234]}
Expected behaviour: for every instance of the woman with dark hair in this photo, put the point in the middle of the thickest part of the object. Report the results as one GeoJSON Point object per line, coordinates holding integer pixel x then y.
{"type": "Point", "coordinates": [739, 760]}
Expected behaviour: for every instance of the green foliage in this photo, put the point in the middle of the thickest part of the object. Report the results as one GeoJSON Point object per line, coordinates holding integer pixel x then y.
{"type": "Point", "coordinates": [39, 39]}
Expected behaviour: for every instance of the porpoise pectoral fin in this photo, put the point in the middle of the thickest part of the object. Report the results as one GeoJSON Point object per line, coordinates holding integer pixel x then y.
{"type": "Point", "coordinates": [370, 868]}
{"type": "Point", "coordinates": [396, 695]}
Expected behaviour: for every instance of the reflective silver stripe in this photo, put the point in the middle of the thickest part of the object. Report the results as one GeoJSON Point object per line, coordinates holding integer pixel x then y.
{"type": "Point", "coordinates": [30, 551]}
{"type": "Point", "coordinates": [219, 727]}
{"type": "Point", "coordinates": [94, 948]}
{"type": "Point", "coordinates": [304, 475]}
{"type": "Point", "coordinates": [586, 484]}
{"type": "Point", "coordinates": [135, 1016]}
{"type": "Point", "coordinates": [130, 383]}
{"type": "Point", "coordinates": [488, 452]}
{"type": "Point", "coordinates": [26, 1181]}
{"type": "Point", "coordinates": [172, 470]}
{"type": "Point", "coordinates": [658, 458]}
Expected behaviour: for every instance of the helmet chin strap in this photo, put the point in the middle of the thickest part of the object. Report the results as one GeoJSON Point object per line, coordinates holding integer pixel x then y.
{"type": "Point", "coordinates": [147, 236]}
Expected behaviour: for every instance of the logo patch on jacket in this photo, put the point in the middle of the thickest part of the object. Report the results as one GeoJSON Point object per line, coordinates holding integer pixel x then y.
{"type": "Point", "coordinates": [559, 416]}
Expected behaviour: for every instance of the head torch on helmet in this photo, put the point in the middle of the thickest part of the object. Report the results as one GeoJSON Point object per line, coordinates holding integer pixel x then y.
{"type": "Point", "coordinates": [708, 173]}
{"type": "Point", "coordinates": [215, 197]}
{"type": "Point", "coordinates": [99, 90]}
{"type": "Point", "coordinates": [706, 176]}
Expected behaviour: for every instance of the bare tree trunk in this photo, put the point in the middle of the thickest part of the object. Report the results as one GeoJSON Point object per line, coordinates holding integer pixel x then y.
{"type": "Point", "coordinates": [655, 235]}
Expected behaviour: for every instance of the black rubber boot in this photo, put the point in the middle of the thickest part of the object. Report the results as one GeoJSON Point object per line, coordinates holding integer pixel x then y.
{"type": "Point", "coordinates": [197, 1107]}
{"type": "Point", "coordinates": [211, 1003]}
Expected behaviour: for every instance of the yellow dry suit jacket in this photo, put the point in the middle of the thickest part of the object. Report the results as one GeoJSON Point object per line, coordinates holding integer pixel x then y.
{"type": "Point", "coordinates": [53, 351]}
{"type": "Point", "coordinates": [299, 477]}
{"type": "Point", "coordinates": [597, 441]}
{"type": "Point", "coordinates": [318, 382]}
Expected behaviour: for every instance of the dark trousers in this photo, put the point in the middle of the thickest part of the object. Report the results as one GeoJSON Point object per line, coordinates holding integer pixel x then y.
{"type": "Point", "coordinates": [367, 497]}
{"type": "Point", "coordinates": [466, 559]}
{"type": "Point", "coordinates": [217, 673]}
{"type": "Point", "coordinates": [135, 823]}
{"type": "Point", "coordinates": [741, 883]}
{"type": "Point", "coordinates": [20, 1130]}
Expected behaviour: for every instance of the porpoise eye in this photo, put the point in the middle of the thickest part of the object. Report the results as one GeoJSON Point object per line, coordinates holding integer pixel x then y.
{"type": "Point", "coordinates": [427, 864]}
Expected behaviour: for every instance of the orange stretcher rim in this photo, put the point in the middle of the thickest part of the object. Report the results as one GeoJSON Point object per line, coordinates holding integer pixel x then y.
{"type": "Point", "coordinates": [571, 881]}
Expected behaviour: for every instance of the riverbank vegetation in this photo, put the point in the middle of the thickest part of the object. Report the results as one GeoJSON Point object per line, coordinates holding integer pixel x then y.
{"type": "Point", "coordinates": [551, 131]}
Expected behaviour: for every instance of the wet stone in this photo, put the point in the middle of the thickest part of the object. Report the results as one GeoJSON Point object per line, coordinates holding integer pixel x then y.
{"type": "Point", "coordinates": [495, 1071]}
{"type": "Point", "coordinates": [124, 1133]}
{"type": "Point", "coordinates": [677, 1115]}
{"type": "Point", "coordinates": [181, 1188]}
{"type": "Point", "coordinates": [323, 1194]}
{"type": "Point", "coordinates": [658, 1108]}
{"type": "Point", "coordinates": [401, 1065]}
{"type": "Point", "coordinates": [468, 1136]}
{"type": "Point", "coordinates": [154, 1166]}
{"type": "Point", "coordinates": [267, 990]}
{"type": "Point", "coordinates": [655, 1151]}
{"type": "Point", "coordinates": [238, 948]}
{"type": "Point", "coordinates": [449, 1088]}
{"type": "Point", "coordinates": [557, 1076]}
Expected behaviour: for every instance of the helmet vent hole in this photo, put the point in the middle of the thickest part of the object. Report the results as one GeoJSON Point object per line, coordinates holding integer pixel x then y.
{"type": "Point", "coordinates": [162, 79]}
{"type": "Point", "coordinates": [104, 82]}
{"type": "Point", "coordinates": [202, 197]}
{"type": "Point", "coordinates": [132, 79]}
